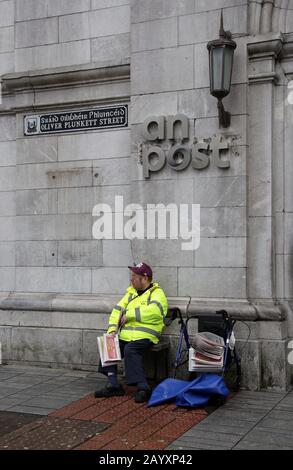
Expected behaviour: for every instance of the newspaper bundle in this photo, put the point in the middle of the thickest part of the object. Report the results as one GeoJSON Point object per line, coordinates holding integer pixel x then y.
{"type": "Point", "coordinates": [109, 349]}
{"type": "Point", "coordinates": [207, 353]}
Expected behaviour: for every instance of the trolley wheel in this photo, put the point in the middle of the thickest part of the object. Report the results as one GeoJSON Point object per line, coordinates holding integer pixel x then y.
{"type": "Point", "coordinates": [232, 373]}
{"type": "Point", "coordinates": [217, 401]}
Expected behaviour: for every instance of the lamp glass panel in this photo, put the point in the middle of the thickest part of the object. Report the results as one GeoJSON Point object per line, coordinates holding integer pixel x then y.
{"type": "Point", "coordinates": [217, 64]}
{"type": "Point", "coordinates": [228, 63]}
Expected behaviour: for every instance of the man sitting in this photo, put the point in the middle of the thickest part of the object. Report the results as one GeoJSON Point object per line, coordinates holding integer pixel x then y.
{"type": "Point", "coordinates": [139, 317]}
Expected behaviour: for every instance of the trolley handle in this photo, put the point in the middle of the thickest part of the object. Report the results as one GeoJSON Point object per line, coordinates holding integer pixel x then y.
{"type": "Point", "coordinates": [173, 313]}
{"type": "Point", "coordinates": [229, 324]}
{"type": "Point", "coordinates": [224, 314]}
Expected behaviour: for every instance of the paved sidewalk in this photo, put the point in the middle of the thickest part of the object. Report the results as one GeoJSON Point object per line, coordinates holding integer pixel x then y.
{"type": "Point", "coordinates": [250, 421]}
{"type": "Point", "coordinates": [44, 408]}
{"type": "Point", "coordinates": [39, 390]}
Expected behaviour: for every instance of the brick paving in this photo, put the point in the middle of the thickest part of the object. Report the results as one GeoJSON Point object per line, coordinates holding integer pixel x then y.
{"type": "Point", "coordinates": [131, 425]}
{"type": "Point", "coordinates": [92, 424]}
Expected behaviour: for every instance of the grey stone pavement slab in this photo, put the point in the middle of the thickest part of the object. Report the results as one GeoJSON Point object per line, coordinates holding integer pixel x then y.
{"type": "Point", "coordinates": [250, 420]}
{"type": "Point", "coordinates": [40, 391]}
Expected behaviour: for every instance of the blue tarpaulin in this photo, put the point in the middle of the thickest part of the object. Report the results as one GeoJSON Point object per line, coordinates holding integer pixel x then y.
{"type": "Point", "coordinates": [189, 394]}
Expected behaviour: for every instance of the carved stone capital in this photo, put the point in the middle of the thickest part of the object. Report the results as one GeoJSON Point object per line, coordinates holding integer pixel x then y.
{"type": "Point", "coordinates": [269, 45]}
{"type": "Point", "coordinates": [263, 53]}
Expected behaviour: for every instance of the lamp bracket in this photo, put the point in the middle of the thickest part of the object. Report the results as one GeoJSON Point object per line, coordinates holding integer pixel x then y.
{"type": "Point", "coordinates": [224, 116]}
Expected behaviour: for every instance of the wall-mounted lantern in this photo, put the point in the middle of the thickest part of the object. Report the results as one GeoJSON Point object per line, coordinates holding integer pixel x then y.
{"type": "Point", "coordinates": [221, 52]}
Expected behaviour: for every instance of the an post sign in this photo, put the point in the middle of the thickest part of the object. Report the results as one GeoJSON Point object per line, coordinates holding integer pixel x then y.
{"type": "Point", "coordinates": [161, 146]}
{"type": "Point", "coordinates": [71, 121]}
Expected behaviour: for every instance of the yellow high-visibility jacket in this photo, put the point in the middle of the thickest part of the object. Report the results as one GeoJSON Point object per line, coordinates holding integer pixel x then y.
{"type": "Point", "coordinates": [145, 314]}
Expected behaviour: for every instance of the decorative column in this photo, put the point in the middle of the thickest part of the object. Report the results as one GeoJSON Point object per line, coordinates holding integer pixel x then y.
{"type": "Point", "coordinates": [262, 78]}
{"type": "Point", "coordinates": [263, 191]}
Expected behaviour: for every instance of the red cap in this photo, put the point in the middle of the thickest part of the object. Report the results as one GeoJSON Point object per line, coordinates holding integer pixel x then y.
{"type": "Point", "coordinates": [142, 269]}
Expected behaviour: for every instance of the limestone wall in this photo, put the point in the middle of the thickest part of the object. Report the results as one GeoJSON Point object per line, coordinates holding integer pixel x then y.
{"type": "Point", "coordinates": [149, 55]}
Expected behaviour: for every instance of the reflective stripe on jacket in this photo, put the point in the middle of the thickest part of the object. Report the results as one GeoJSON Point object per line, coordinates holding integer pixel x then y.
{"type": "Point", "coordinates": [145, 314]}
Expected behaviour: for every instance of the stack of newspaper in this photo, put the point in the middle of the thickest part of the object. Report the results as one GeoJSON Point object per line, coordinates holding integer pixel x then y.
{"type": "Point", "coordinates": [109, 349]}
{"type": "Point", "coordinates": [207, 353]}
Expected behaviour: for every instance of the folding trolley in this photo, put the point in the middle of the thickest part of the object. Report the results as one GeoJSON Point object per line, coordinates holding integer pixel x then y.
{"type": "Point", "coordinates": [221, 324]}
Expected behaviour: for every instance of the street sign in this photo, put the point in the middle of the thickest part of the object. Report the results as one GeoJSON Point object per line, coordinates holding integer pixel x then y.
{"type": "Point", "coordinates": [82, 120]}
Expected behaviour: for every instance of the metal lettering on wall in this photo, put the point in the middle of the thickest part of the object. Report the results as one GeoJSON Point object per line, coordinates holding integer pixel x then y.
{"type": "Point", "coordinates": [165, 141]}
{"type": "Point", "coordinates": [71, 121]}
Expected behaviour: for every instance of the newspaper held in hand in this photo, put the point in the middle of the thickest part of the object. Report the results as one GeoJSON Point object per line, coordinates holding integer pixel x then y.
{"type": "Point", "coordinates": [207, 353]}
{"type": "Point", "coordinates": [109, 349]}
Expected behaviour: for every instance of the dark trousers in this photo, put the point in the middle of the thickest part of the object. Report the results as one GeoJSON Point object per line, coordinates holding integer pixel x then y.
{"type": "Point", "coordinates": [132, 352]}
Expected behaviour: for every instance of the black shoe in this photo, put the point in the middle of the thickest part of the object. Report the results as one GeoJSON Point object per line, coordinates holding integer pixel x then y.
{"type": "Point", "coordinates": [110, 391]}
{"type": "Point", "coordinates": [142, 396]}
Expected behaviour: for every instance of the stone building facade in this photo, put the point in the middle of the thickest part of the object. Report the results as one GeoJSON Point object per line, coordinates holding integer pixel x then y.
{"type": "Point", "coordinates": [57, 283]}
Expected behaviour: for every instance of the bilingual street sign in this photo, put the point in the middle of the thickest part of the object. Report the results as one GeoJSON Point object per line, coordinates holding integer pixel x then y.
{"type": "Point", "coordinates": [110, 117]}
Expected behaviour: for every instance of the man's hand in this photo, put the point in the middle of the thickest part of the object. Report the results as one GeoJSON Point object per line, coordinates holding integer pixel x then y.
{"type": "Point", "coordinates": [123, 320]}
